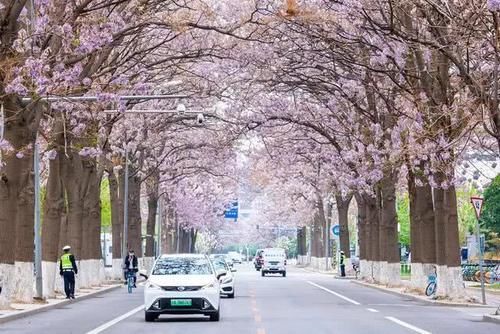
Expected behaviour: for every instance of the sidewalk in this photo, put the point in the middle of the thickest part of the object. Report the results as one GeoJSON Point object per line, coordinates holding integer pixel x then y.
{"type": "Point", "coordinates": [24, 310]}
{"type": "Point", "coordinates": [492, 301]}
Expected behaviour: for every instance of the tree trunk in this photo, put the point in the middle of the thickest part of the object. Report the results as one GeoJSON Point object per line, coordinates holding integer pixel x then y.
{"type": "Point", "coordinates": [302, 241]}
{"type": "Point", "coordinates": [452, 244]}
{"type": "Point", "coordinates": [73, 180]}
{"type": "Point", "coordinates": [53, 212]}
{"type": "Point", "coordinates": [17, 200]}
{"type": "Point", "coordinates": [363, 232]}
{"type": "Point", "coordinates": [372, 224]}
{"type": "Point", "coordinates": [135, 222]}
{"type": "Point", "coordinates": [116, 215]}
{"type": "Point", "coordinates": [152, 189]}
{"type": "Point", "coordinates": [440, 226]}
{"type": "Point", "coordinates": [343, 214]}
{"type": "Point", "coordinates": [51, 227]}
{"type": "Point", "coordinates": [389, 222]}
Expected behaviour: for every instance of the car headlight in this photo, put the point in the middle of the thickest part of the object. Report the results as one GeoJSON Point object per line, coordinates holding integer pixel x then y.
{"type": "Point", "coordinates": [150, 285]}
{"type": "Point", "coordinates": [227, 280]}
{"type": "Point", "coordinates": [209, 286]}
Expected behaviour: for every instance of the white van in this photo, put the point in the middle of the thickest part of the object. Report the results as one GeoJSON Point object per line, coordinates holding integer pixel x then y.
{"type": "Point", "coordinates": [274, 261]}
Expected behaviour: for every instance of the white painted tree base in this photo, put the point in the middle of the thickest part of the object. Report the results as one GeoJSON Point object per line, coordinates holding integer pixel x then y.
{"type": "Point", "coordinates": [23, 282]}
{"type": "Point", "coordinates": [450, 283]}
{"type": "Point", "coordinates": [6, 271]}
{"type": "Point", "coordinates": [365, 270]}
{"type": "Point", "coordinates": [147, 263]}
{"type": "Point", "coordinates": [390, 274]}
{"type": "Point", "coordinates": [49, 278]}
{"type": "Point", "coordinates": [419, 276]}
{"type": "Point", "coordinates": [117, 269]}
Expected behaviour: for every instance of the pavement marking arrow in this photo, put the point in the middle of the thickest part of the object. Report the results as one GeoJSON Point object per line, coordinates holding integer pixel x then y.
{"type": "Point", "coordinates": [335, 293]}
{"type": "Point", "coordinates": [407, 325]}
{"type": "Point", "coordinates": [115, 320]}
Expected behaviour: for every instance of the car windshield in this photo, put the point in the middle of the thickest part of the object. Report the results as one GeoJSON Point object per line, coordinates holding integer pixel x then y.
{"type": "Point", "coordinates": [182, 266]}
{"type": "Point", "coordinates": [219, 265]}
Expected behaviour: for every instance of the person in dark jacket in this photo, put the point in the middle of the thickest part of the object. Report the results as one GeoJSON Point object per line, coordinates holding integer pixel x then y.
{"type": "Point", "coordinates": [68, 270]}
{"type": "Point", "coordinates": [342, 264]}
{"type": "Point", "coordinates": [130, 264]}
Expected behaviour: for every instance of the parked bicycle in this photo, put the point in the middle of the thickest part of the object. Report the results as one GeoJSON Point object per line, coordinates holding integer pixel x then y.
{"type": "Point", "coordinates": [355, 267]}
{"type": "Point", "coordinates": [432, 284]}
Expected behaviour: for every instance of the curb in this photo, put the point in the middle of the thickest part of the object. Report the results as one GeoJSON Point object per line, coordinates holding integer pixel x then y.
{"type": "Point", "coordinates": [421, 299]}
{"type": "Point", "coordinates": [26, 313]}
{"type": "Point", "coordinates": [492, 318]}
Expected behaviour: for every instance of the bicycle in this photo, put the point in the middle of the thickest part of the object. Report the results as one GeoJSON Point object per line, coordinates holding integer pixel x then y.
{"type": "Point", "coordinates": [130, 280]}
{"type": "Point", "coordinates": [432, 285]}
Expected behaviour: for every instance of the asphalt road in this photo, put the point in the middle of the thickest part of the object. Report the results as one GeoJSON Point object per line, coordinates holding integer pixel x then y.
{"type": "Point", "coordinates": [302, 303]}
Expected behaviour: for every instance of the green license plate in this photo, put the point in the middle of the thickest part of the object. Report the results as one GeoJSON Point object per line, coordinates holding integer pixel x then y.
{"type": "Point", "coordinates": [181, 302]}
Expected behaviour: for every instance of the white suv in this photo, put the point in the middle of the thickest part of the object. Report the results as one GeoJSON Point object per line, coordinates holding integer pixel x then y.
{"type": "Point", "coordinates": [182, 284]}
{"type": "Point", "coordinates": [274, 261]}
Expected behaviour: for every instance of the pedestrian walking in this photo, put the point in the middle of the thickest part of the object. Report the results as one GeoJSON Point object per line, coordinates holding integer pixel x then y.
{"type": "Point", "coordinates": [68, 270]}
{"type": "Point", "coordinates": [342, 264]}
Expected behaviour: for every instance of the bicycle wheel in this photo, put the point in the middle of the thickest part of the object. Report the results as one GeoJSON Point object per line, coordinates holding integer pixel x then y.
{"type": "Point", "coordinates": [431, 289]}
{"type": "Point", "coordinates": [130, 284]}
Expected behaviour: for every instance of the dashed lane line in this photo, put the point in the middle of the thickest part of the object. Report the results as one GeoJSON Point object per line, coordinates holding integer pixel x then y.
{"type": "Point", "coordinates": [372, 310]}
{"type": "Point", "coordinates": [335, 293]}
{"type": "Point", "coordinates": [407, 325]}
{"type": "Point", "coordinates": [115, 320]}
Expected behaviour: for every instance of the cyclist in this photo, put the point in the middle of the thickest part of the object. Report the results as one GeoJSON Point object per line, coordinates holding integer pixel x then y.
{"type": "Point", "coordinates": [131, 266]}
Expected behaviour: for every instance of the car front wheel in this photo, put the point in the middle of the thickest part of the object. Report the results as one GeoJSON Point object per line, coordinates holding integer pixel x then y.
{"type": "Point", "coordinates": [150, 317]}
{"type": "Point", "coordinates": [263, 273]}
{"type": "Point", "coordinates": [215, 316]}
{"type": "Point", "coordinates": [284, 274]}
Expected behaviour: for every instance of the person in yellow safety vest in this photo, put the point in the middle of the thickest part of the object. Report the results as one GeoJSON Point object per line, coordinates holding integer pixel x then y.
{"type": "Point", "coordinates": [68, 270]}
{"type": "Point", "coordinates": [342, 264]}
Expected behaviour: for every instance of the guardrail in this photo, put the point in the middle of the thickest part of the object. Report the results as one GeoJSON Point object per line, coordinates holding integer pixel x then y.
{"type": "Point", "coordinates": [405, 269]}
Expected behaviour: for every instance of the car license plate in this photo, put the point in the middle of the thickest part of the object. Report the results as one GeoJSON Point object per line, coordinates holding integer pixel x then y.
{"type": "Point", "coordinates": [181, 302]}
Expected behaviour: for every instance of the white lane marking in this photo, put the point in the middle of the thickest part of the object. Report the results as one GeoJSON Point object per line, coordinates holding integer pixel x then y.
{"type": "Point", "coordinates": [372, 310]}
{"type": "Point", "coordinates": [115, 320]}
{"type": "Point", "coordinates": [334, 293]}
{"type": "Point", "coordinates": [407, 325]}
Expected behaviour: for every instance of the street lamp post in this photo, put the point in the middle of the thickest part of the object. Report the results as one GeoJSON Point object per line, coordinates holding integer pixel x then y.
{"type": "Point", "coordinates": [125, 206]}
{"type": "Point", "coordinates": [477, 203]}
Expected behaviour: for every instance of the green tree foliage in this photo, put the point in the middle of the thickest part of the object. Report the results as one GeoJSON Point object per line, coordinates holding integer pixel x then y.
{"type": "Point", "coordinates": [403, 212]}
{"type": "Point", "coordinates": [490, 217]}
{"type": "Point", "coordinates": [105, 205]}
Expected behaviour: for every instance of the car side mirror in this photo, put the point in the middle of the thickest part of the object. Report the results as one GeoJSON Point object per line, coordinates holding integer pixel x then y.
{"type": "Point", "coordinates": [220, 275]}
{"type": "Point", "coordinates": [144, 273]}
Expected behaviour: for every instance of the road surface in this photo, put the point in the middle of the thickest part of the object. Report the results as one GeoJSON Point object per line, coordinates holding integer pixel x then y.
{"type": "Point", "coordinates": [301, 303]}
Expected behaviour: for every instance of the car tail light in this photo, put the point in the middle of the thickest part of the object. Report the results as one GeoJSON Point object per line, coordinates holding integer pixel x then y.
{"type": "Point", "coordinates": [285, 262]}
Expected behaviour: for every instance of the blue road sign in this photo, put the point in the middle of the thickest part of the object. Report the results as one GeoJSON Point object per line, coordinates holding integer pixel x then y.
{"type": "Point", "coordinates": [232, 211]}
{"type": "Point", "coordinates": [336, 230]}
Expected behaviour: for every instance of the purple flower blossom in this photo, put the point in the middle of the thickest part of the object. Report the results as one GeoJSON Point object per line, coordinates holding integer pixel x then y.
{"type": "Point", "coordinates": [52, 154]}
{"type": "Point", "coordinates": [87, 81]}
{"type": "Point", "coordinates": [493, 5]}
{"type": "Point", "coordinates": [90, 152]}
{"type": "Point", "coordinates": [5, 145]}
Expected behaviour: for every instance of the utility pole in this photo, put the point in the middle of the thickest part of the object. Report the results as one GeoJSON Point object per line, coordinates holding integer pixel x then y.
{"type": "Point", "coordinates": [159, 226]}
{"type": "Point", "coordinates": [477, 203]}
{"type": "Point", "coordinates": [125, 206]}
{"type": "Point", "coordinates": [36, 171]}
